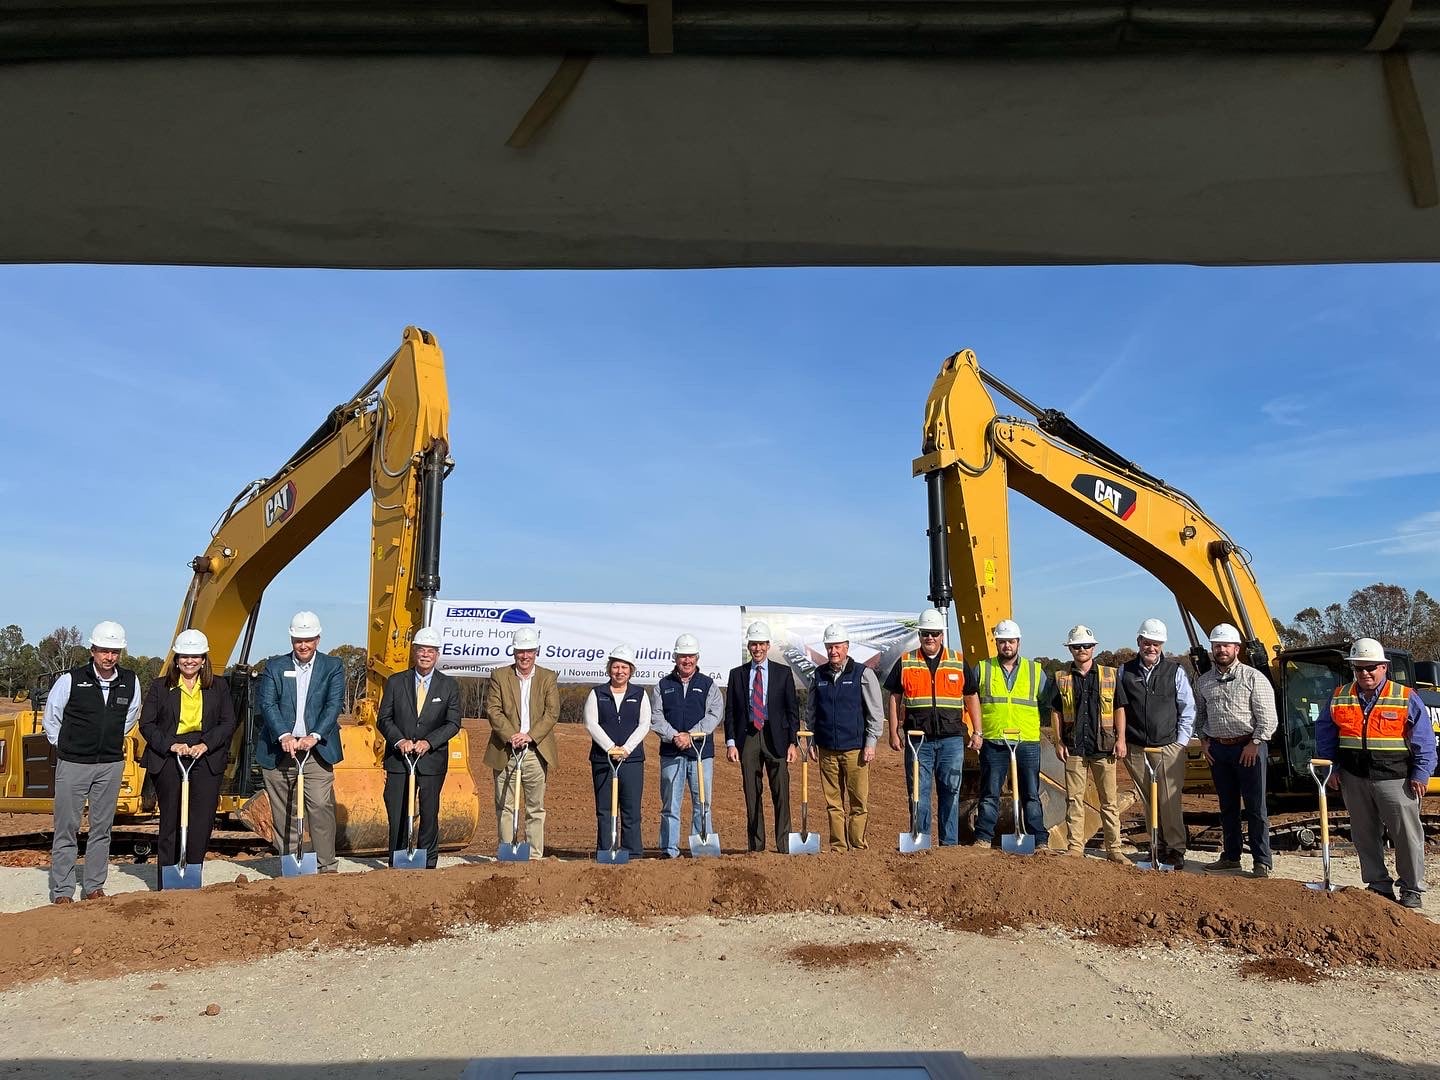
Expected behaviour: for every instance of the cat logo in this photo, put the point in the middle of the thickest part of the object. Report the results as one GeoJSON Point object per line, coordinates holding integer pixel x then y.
{"type": "Point", "coordinates": [279, 505]}
{"type": "Point", "coordinates": [1116, 498]}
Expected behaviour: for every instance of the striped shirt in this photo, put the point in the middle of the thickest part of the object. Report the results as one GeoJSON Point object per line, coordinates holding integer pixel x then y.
{"type": "Point", "coordinates": [1238, 702]}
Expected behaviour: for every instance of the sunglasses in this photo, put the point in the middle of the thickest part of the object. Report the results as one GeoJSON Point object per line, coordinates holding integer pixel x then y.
{"type": "Point", "coordinates": [1367, 668]}
{"type": "Point", "coordinates": [929, 633]}
{"type": "Point", "coordinates": [1079, 648]}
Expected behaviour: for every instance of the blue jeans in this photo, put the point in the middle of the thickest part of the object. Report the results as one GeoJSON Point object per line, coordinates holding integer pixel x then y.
{"type": "Point", "coordinates": [1234, 784]}
{"type": "Point", "coordinates": [676, 774]}
{"type": "Point", "coordinates": [941, 762]}
{"type": "Point", "coordinates": [994, 770]}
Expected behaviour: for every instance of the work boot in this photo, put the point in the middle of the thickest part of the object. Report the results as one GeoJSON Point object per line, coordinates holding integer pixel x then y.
{"type": "Point", "coordinates": [1411, 900]}
{"type": "Point", "coordinates": [1116, 857]}
{"type": "Point", "coordinates": [1261, 870]}
{"type": "Point", "coordinates": [63, 900]}
{"type": "Point", "coordinates": [1220, 866]}
{"type": "Point", "coordinates": [1387, 892]}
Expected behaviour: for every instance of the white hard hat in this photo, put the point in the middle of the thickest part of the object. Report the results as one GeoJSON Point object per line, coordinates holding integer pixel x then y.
{"type": "Point", "coordinates": [427, 635]}
{"type": "Point", "coordinates": [525, 638]}
{"type": "Point", "coordinates": [190, 643]}
{"type": "Point", "coordinates": [687, 645]}
{"type": "Point", "coordinates": [932, 619]}
{"type": "Point", "coordinates": [1224, 634]}
{"type": "Point", "coordinates": [757, 631]}
{"type": "Point", "coordinates": [1153, 630]}
{"type": "Point", "coordinates": [1367, 650]}
{"type": "Point", "coordinates": [1080, 635]}
{"type": "Point", "coordinates": [108, 635]}
{"type": "Point", "coordinates": [622, 652]}
{"type": "Point", "coordinates": [835, 634]}
{"type": "Point", "coordinates": [305, 624]}
{"type": "Point", "coordinates": [1007, 628]}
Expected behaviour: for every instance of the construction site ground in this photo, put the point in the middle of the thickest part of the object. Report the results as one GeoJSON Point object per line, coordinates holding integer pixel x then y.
{"type": "Point", "coordinates": [1049, 966]}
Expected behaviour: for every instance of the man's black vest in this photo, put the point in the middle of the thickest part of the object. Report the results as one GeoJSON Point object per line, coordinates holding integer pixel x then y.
{"type": "Point", "coordinates": [92, 730]}
{"type": "Point", "coordinates": [1152, 710]}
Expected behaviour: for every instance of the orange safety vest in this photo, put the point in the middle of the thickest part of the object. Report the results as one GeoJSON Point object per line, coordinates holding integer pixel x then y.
{"type": "Point", "coordinates": [936, 704]}
{"type": "Point", "coordinates": [1373, 745]}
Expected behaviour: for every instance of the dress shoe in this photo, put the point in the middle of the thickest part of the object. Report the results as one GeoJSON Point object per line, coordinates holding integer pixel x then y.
{"type": "Point", "coordinates": [1387, 892]}
{"type": "Point", "coordinates": [1410, 900]}
{"type": "Point", "coordinates": [63, 900]}
{"type": "Point", "coordinates": [1261, 870]}
{"type": "Point", "coordinates": [98, 894]}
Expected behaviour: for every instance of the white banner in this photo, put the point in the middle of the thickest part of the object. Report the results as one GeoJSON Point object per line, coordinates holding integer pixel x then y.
{"type": "Point", "coordinates": [475, 636]}
{"type": "Point", "coordinates": [877, 638]}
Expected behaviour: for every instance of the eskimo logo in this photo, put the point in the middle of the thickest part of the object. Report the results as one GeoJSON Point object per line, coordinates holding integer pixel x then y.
{"type": "Point", "coordinates": [1116, 498]}
{"type": "Point", "coordinates": [279, 505]}
{"type": "Point", "coordinates": [494, 614]}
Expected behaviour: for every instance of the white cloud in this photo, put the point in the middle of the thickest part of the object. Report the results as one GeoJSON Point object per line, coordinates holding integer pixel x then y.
{"type": "Point", "coordinates": [1418, 536]}
{"type": "Point", "coordinates": [1288, 411]}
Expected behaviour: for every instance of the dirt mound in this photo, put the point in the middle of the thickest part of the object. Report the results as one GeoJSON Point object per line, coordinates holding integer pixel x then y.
{"type": "Point", "coordinates": [961, 888]}
{"type": "Point", "coordinates": [851, 954]}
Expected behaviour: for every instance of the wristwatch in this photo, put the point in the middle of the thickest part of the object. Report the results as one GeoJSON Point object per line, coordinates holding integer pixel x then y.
{"type": "Point", "coordinates": [1255, 740]}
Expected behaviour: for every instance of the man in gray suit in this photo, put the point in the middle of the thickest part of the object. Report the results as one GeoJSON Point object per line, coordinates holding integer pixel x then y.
{"type": "Point", "coordinates": [300, 696]}
{"type": "Point", "coordinates": [419, 714]}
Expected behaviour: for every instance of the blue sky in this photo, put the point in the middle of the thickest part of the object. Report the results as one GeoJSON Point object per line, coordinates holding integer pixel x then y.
{"type": "Point", "coordinates": [713, 436]}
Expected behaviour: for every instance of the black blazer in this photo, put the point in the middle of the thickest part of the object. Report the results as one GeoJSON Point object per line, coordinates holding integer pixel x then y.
{"type": "Point", "coordinates": [782, 708]}
{"type": "Point", "coordinates": [437, 723]}
{"type": "Point", "coordinates": [160, 716]}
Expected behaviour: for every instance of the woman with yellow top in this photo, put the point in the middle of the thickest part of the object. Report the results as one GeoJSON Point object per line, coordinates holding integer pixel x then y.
{"type": "Point", "coordinates": [187, 713]}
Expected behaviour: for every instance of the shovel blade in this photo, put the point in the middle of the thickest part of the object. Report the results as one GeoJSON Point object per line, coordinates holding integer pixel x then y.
{"type": "Point", "coordinates": [180, 877]}
{"type": "Point", "coordinates": [1018, 845]}
{"type": "Point", "coordinates": [299, 865]}
{"type": "Point", "coordinates": [617, 857]}
{"type": "Point", "coordinates": [1147, 864]}
{"type": "Point", "coordinates": [704, 845]}
{"type": "Point", "coordinates": [513, 852]}
{"type": "Point", "coordinates": [803, 844]}
{"type": "Point", "coordinates": [1318, 886]}
{"type": "Point", "coordinates": [405, 859]}
{"type": "Point", "coordinates": [911, 842]}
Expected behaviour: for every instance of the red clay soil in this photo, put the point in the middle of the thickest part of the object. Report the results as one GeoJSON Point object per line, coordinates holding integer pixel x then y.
{"type": "Point", "coordinates": [849, 954]}
{"type": "Point", "coordinates": [959, 888]}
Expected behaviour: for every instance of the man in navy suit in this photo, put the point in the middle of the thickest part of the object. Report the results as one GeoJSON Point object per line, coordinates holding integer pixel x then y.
{"type": "Point", "coordinates": [300, 696]}
{"type": "Point", "coordinates": [762, 729]}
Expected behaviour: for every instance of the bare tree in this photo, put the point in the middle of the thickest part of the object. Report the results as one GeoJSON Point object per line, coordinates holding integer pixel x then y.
{"type": "Point", "coordinates": [1388, 613]}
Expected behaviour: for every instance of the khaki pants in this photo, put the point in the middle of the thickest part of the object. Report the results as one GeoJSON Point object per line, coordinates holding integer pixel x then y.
{"type": "Point", "coordinates": [1101, 769]}
{"type": "Point", "coordinates": [532, 785]}
{"type": "Point", "coordinates": [843, 773]}
{"type": "Point", "coordinates": [319, 810]}
{"type": "Point", "coordinates": [1172, 780]}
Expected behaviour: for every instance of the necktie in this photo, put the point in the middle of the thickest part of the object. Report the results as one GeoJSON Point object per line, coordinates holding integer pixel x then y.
{"type": "Point", "coordinates": [419, 698]}
{"type": "Point", "coordinates": [757, 701]}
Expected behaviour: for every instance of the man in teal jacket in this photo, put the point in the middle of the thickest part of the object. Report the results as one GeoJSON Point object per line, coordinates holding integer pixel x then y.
{"type": "Point", "coordinates": [300, 696]}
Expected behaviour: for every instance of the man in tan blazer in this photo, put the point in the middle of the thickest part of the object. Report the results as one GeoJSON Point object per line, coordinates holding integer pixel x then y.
{"type": "Point", "coordinates": [523, 706]}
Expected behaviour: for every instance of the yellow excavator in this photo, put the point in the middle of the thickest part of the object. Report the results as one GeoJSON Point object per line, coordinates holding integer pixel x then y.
{"type": "Point", "coordinates": [972, 457]}
{"type": "Point", "coordinates": [390, 438]}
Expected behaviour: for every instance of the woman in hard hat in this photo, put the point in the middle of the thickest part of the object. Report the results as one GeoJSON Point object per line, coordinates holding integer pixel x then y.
{"type": "Point", "coordinates": [617, 714]}
{"type": "Point", "coordinates": [187, 714]}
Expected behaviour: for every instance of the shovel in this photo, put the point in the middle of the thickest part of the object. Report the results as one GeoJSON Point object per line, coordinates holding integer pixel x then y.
{"type": "Point", "coordinates": [1021, 843]}
{"type": "Point", "coordinates": [915, 840]}
{"type": "Point", "coordinates": [707, 843]}
{"type": "Point", "coordinates": [1320, 783]}
{"type": "Point", "coordinates": [804, 842]}
{"type": "Point", "coordinates": [411, 857]}
{"type": "Point", "coordinates": [614, 855]}
{"type": "Point", "coordinates": [1152, 755]}
{"type": "Point", "coordinates": [515, 851]}
{"type": "Point", "coordinates": [187, 876]}
{"type": "Point", "coordinates": [291, 864]}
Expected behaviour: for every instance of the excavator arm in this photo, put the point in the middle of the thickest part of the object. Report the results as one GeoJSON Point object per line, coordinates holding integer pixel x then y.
{"type": "Point", "coordinates": [973, 456]}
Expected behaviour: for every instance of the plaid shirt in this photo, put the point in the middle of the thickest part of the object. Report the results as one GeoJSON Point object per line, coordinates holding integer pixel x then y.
{"type": "Point", "coordinates": [1239, 702]}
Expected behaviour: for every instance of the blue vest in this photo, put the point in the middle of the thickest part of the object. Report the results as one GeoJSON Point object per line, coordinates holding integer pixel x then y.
{"type": "Point", "coordinates": [839, 708]}
{"type": "Point", "coordinates": [621, 724]}
{"type": "Point", "coordinates": [685, 712]}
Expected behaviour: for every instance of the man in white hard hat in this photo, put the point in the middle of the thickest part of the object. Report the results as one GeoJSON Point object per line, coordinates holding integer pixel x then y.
{"type": "Point", "coordinates": [1234, 718]}
{"type": "Point", "coordinates": [846, 713]}
{"type": "Point", "coordinates": [683, 701]}
{"type": "Point", "coordinates": [522, 704]}
{"type": "Point", "coordinates": [1001, 692]}
{"type": "Point", "coordinates": [299, 696]}
{"type": "Point", "coordinates": [1086, 737]}
{"type": "Point", "coordinates": [927, 693]}
{"type": "Point", "coordinates": [1154, 706]}
{"type": "Point", "coordinates": [1378, 734]}
{"type": "Point", "coordinates": [87, 715]}
{"type": "Point", "coordinates": [419, 714]}
{"type": "Point", "coordinates": [762, 731]}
